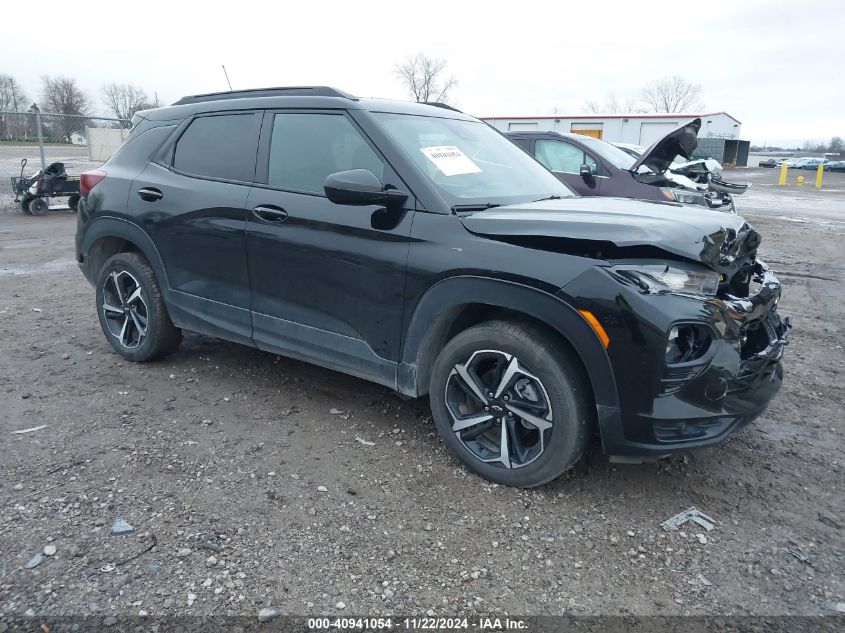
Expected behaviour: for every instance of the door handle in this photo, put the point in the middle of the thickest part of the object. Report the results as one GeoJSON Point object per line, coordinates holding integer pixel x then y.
{"type": "Point", "coordinates": [270, 214]}
{"type": "Point", "coordinates": [150, 194]}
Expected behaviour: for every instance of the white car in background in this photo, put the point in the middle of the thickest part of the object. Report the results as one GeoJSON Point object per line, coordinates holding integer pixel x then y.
{"type": "Point", "coordinates": [795, 163]}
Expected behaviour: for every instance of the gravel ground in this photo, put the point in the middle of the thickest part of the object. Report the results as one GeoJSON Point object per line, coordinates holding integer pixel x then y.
{"type": "Point", "coordinates": [254, 479]}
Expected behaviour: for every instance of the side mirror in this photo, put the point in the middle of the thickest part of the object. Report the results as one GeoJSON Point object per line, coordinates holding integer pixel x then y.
{"type": "Point", "coordinates": [360, 187]}
{"type": "Point", "coordinates": [587, 175]}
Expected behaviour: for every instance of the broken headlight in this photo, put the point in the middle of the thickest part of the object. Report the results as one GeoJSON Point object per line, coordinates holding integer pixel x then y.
{"type": "Point", "coordinates": [657, 278]}
{"type": "Point", "coordinates": [687, 342]}
{"type": "Point", "coordinates": [684, 196]}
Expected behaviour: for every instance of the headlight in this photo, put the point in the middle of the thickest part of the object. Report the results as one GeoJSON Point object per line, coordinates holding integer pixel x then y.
{"type": "Point", "coordinates": [683, 196]}
{"type": "Point", "coordinates": [657, 278]}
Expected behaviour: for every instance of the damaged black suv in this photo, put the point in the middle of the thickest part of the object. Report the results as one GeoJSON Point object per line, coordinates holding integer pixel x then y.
{"type": "Point", "coordinates": [418, 248]}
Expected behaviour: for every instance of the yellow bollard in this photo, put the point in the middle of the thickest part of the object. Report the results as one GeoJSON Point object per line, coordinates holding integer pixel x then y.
{"type": "Point", "coordinates": [800, 181]}
{"type": "Point", "coordinates": [819, 173]}
{"type": "Point", "coordinates": [782, 179]}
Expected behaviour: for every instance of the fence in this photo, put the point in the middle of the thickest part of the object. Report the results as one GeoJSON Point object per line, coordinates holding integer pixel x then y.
{"type": "Point", "coordinates": [79, 142]}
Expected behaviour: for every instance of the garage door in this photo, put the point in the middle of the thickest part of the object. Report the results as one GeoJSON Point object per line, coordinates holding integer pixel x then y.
{"type": "Point", "coordinates": [587, 129]}
{"type": "Point", "coordinates": [651, 132]}
{"type": "Point", "coordinates": [521, 127]}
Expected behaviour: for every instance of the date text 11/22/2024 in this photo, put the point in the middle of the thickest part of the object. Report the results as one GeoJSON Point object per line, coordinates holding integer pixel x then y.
{"type": "Point", "coordinates": [419, 623]}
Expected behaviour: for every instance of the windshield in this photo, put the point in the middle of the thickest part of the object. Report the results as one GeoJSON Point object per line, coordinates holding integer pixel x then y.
{"type": "Point", "coordinates": [630, 152]}
{"type": "Point", "coordinates": [470, 163]}
{"type": "Point", "coordinates": [612, 154]}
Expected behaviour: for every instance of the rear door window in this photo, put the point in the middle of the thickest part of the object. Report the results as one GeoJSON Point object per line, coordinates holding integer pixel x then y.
{"type": "Point", "coordinates": [219, 146]}
{"type": "Point", "coordinates": [563, 157]}
{"type": "Point", "coordinates": [307, 147]}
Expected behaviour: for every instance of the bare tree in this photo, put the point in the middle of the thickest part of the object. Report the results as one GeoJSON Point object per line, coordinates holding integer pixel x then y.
{"type": "Point", "coordinates": [423, 78]}
{"type": "Point", "coordinates": [672, 94]}
{"type": "Point", "coordinates": [813, 146]}
{"type": "Point", "coordinates": [12, 96]}
{"type": "Point", "coordinates": [632, 106]}
{"type": "Point", "coordinates": [836, 145]}
{"type": "Point", "coordinates": [590, 107]}
{"type": "Point", "coordinates": [612, 106]}
{"type": "Point", "coordinates": [62, 96]}
{"type": "Point", "coordinates": [124, 100]}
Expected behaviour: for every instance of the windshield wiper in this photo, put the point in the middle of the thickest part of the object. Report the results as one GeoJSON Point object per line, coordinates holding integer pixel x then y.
{"type": "Point", "coordinates": [482, 206]}
{"type": "Point", "coordinates": [552, 197]}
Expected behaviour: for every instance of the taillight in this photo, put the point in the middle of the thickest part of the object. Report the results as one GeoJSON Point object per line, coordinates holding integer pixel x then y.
{"type": "Point", "coordinates": [89, 179]}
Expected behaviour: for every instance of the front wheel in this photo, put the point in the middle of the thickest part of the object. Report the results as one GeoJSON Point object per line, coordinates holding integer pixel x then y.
{"type": "Point", "coordinates": [512, 403]}
{"type": "Point", "coordinates": [131, 309]}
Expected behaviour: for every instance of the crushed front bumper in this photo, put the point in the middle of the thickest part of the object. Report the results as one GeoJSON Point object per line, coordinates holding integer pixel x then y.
{"type": "Point", "coordinates": [666, 407]}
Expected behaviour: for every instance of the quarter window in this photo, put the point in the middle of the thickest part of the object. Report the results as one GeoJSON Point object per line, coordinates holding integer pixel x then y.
{"type": "Point", "coordinates": [563, 157]}
{"type": "Point", "coordinates": [220, 146]}
{"type": "Point", "coordinates": [305, 148]}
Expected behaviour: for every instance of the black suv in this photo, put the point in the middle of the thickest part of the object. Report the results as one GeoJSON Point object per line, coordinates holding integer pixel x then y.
{"type": "Point", "coordinates": [415, 246]}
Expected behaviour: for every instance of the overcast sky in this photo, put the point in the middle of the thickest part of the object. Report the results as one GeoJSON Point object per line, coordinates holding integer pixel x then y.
{"type": "Point", "coordinates": [774, 65]}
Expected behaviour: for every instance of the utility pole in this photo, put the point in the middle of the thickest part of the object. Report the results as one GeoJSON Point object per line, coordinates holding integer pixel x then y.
{"type": "Point", "coordinates": [40, 135]}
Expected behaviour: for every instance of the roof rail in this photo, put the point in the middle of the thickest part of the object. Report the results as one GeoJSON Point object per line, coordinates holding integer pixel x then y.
{"type": "Point", "coordinates": [292, 91]}
{"type": "Point", "coordinates": [439, 104]}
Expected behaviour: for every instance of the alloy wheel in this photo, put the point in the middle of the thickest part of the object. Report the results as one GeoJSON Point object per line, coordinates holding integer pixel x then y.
{"type": "Point", "coordinates": [125, 308]}
{"type": "Point", "coordinates": [500, 410]}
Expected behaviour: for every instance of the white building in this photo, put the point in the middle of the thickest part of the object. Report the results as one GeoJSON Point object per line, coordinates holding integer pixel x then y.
{"type": "Point", "coordinates": [104, 141]}
{"type": "Point", "coordinates": [637, 129]}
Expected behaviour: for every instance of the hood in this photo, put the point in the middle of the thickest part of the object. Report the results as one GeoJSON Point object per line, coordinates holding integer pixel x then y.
{"type": "Point", "coordinates": [716, 239]}
{"type": "Point", "coordinates": [660, 155]}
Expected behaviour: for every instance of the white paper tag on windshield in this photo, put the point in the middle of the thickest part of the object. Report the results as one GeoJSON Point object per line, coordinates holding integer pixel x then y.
{"type": "Point", "coordinates": [450, 160]}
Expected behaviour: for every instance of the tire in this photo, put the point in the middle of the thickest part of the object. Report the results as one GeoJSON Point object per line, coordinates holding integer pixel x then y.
{"type": "Point", "coordinates": [73, 203]}
{"type": "Point", "coordinates": [38, 206]}
{"type": "Point", "coordinates": [526, 366]}
{"type": "Point", "coordinates": [131, 309]}
{"type": "Point", "coordinates": [25, 204]}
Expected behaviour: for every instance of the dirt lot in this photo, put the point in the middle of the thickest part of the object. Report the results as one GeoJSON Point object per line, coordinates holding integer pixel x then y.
{"type": "Point", "coordinates": [263, 453]}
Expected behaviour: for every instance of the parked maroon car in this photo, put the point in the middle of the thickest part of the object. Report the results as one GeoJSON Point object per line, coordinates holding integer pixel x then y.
{"type": "Point", "coordinates": [592, 167]}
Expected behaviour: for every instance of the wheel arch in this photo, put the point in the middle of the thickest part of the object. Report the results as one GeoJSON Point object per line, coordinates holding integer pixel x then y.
{"type": "Point", "coordinates": [107, 236]}
{"type": "Point", "coordinates": [452, 305]}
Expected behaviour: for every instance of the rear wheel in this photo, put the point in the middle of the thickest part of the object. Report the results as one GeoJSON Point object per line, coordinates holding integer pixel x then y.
{"type": "Point", "coordinates": [511, 403]}
{"type": "Point", "coordinates": [131, 309]}
{"type": "Point", "coordinates": [73, 203]}
{"type": "Point", "coordinates": [38, 206]}
{"type": "Point", "coordinates": [25, 204]}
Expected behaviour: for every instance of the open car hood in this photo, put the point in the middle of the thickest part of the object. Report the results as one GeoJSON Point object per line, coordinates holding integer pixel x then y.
{"type": "Point", "coordinates": [608, 227]}
{"type": "Point", "coordinates": [682, 141]}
